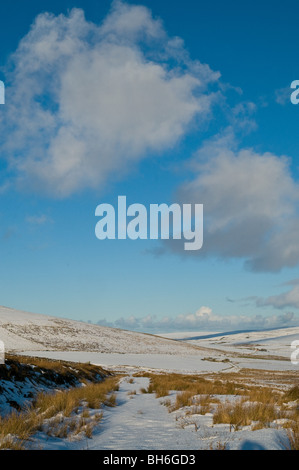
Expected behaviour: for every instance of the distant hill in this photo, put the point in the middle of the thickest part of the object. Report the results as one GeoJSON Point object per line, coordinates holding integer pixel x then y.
{"type": "Point", "coordinates": [23, 331]}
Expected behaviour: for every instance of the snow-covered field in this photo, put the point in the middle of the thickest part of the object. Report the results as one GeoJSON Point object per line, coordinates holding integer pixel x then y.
{"type": "Point", "coordinates": [210, 362]}
{"type": "Point", "coordinates": [142, 421]}
{"type": "Point", "coordinates": [268, 350]}
{"type": "Point", "coordinates": [274, 342]}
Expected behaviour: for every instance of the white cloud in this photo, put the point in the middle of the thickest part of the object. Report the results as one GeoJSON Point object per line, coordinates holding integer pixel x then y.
{"type": "Point", "coordinates": [283, 300]}
{"type": "Point", "coordinates": [203, 319]}
{"type": "Point", "coordinates": [85, 102]}
{"type": "Point", "coordinates": [131, 23]}
{"type": "Point", "coordinates": [250, 205]}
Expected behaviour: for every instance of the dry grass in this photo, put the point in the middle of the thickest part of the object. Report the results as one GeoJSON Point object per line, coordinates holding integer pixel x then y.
{"type": "Point", "coordinates": [54, 413]}
{"type": "Point", "coordinates": [19, 424]}
{"type": "Point", "coordinates": [167, 403]}
{"type": "Point", "coordinates": [93, 394]}
{"type": "Point", "coordinates": [149, 389]}
{"type": "Point", "coordinates": [183, 399]}
{"type": "Point", "coordinates": [293, 435]}
{"type": "Point", "coordinates": [292, 394]}
{"type": "Point", "coordinates": [271, 378]}
{"type": "Point", "coordinates": [243, 414]}
{"type": "Point", "coordinates": [163, 384]}
{"type": "Point", "coordinates": [61, 369]}
{"type": "Point", "coordinates": [111, 400]}
{"type": "Point", "coordinates": [204, 403]}
{"type": "Point", "coordinates": [85, 413]}
{"type": "Point", "coordinates": [258, 406]}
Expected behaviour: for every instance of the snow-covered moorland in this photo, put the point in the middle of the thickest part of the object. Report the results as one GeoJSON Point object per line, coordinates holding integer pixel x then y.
{"type": "Point", "coordinates": [142, 419]}
{"type": "Point", "coordinates": [234, 390]}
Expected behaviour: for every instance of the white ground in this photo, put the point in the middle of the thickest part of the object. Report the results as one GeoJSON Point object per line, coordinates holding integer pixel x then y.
{"type": "Point", "coordinates": [276, 342]}
{"type": "Point", "coordinates": [141, 421]}
{"type": "Point", "coordinates": [193, 351]}
{"type": "Point", "coordinates": [171, 363]}
{"type": "Point", "coordinates": [23, 331]}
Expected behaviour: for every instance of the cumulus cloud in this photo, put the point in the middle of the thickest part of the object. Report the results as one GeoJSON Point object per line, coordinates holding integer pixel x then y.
{"type": "Point", "coordinates": [203, 319]}
{"type": "Point", "coordinates": [250, 205]}
{"type": "Point", "coordinates": [85, 102]}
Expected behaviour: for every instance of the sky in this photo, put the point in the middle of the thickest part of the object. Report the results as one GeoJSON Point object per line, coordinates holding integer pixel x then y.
{"type": "Point", "coordinates": [161, 102]}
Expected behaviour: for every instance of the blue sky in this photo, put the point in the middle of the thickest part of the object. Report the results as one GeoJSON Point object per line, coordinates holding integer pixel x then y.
{"type": "Point", "coordinates": [162, 102]}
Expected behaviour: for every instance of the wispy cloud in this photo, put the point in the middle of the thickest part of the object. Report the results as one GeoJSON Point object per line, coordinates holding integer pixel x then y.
{"type": "Point", "coordinates": [38, 220]}
{"type": "Point", "coordinates": [85, 102]}
{"type": "Point", "coordinates": [283, 95]}
{"type": "Point", "coordinates": [288, 299]}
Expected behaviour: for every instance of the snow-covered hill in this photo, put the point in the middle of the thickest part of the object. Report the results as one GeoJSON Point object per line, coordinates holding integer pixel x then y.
{"type": "Point", "coordinates": [274, 342]}
{"type": "Point", "coordinates": [46, 336]}
{"type": "Point", "coordinates": [23, 331]}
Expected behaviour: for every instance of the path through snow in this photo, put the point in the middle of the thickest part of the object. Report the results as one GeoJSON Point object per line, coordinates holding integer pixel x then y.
{"type": "Point", "coordinates": [139, 422]}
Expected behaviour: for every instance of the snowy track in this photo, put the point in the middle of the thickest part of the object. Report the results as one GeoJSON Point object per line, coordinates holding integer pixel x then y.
{"type": "Point", "coordinates": [141, 422]}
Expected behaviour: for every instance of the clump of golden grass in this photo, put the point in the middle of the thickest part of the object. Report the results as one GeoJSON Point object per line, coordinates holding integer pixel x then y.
{"type": "Point", "coordinates": [57, 408]}
{"type": "Point", "coordinates": [183, 399]}
{"type": "Point", "coordinates": [142, 374]}
{"type": "Point", "coordinates": [85, 413]}
{"type": "Point", "coordinates": [167, 403]}
{"type": "Point", "coordinates": [111, 400]}
{"type": "Point", "coordinates": [276, 380]}
{"type": "Point", "coordinates": [62, 369]}
{"type": "Point", "coordinates": [293, 435]}
{"type": "Point", "coordinates": [258, 406]}
{"type": "Point", "coordinates": [292, 394]}
{"type": "Point", "coordinates": [19, 424]}
{"type": "Point", "coordinates": [149, 389]}
{"type": "Point", "coordinates": [204, 403]}
{"type": "Point", "coordinates": [162, 384]}
{"type": "Point", "coordinates": [243, 414]}
{"type": "Point", "coordinates": [94, 394]}
{"type": "Point", "coordinates": [88, 430]}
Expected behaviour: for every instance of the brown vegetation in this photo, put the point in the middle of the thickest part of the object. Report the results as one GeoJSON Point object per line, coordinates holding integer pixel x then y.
{"type": "Point", "coordinates": [58, 413]}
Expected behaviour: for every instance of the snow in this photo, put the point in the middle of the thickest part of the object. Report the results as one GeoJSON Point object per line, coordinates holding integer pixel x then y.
{"type": "Point", "coordinates": [141, 422]}
{"type": "Point", "coordinates": [23, 331]}
{"type": "Point", "coordinates": [35, 334]}
{"type": "Point", "coordinates": [171, 363]}
{"type": "Point", "coordinates": [276, 342]}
